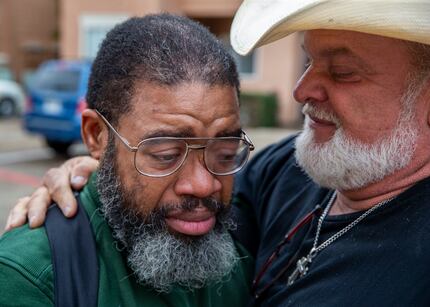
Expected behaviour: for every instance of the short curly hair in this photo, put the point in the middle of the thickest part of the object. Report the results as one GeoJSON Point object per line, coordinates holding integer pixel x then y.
{"type": "Point", "coordinates": [162, 49]}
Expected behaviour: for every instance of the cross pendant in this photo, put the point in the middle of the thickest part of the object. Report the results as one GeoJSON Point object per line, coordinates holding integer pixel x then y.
{"type": "Point", "coordinates": [301, 269]}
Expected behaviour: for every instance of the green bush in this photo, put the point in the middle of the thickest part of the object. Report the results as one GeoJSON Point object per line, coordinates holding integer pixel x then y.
{"type": "Point", "coordinates": [258, 110]}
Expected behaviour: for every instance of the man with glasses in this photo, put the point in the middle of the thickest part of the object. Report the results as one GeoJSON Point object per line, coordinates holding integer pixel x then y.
{"type": "Point", "coordinates": [163, 120]}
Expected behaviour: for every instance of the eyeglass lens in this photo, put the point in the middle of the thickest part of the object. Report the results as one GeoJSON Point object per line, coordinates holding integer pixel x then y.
{"type": "Point", "coordinates": [160, 156]}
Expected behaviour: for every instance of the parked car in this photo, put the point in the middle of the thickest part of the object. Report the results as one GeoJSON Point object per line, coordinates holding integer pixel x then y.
{"type": "Point", "coordinates": [12, 97]}
{"type": "Point", "coordinates": [56, 100]}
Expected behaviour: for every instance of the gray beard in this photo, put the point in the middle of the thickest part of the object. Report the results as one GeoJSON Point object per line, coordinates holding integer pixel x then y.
{"type": "Point", "coordinates": [343, 163]}
{"type": "Point", "coordinates": [346, 164]}
{"type": "Point", "coordinates": [158, 258]}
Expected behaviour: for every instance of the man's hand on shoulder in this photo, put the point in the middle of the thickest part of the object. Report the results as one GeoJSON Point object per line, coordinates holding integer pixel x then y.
{"type": "Point", "coordinates": [56, 187]}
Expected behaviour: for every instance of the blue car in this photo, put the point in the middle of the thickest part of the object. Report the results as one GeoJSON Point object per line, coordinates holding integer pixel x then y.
{"type": "Point", "coordinates": [56, 100]}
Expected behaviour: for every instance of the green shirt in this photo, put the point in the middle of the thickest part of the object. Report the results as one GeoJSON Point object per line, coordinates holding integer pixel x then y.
{"type": "Point", "coordinates": [26, 275]}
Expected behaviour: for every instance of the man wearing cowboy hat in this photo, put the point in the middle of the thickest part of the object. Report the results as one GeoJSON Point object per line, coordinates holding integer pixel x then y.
{"type": "Point", "coordinates": [362, 161]}
{"type": "Point", "coordinates": [365, 151]}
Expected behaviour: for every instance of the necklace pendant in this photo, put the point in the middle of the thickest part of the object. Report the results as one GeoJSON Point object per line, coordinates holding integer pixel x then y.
{"type": "Point", "coordinates": [301, 269]}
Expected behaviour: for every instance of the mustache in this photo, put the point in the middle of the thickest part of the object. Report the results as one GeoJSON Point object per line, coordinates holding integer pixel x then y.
{"type": "Point", "coordinates": [191, 203]}
{"type": "Point", "coordinates": [311, 110]}
{"type": "Point", "coordinates": [156, 218]}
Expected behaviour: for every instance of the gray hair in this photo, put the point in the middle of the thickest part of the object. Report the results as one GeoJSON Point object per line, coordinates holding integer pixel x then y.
{"type": "Point", "coordinates": [159, 49]}
{"type": "Point", "coordinates": [420, 59]}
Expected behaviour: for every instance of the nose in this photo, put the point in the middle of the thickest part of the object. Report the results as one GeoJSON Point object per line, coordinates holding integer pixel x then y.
{"type": "Point", "coordinates": [195, 180]}
{"type": "Point", "coordinates": [311, 87]}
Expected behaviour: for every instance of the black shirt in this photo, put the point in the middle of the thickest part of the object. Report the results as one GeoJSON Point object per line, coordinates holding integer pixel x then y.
{"type": "Point", "coordinates": [382, 261]}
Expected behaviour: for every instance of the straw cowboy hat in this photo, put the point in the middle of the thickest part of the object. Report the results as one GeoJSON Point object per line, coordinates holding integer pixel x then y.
{"type": "Point", "coordinates": [259, 22]}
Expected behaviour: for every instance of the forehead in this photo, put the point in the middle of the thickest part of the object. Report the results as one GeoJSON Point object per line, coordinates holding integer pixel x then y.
{"type": "Point", "coordinates": [332, 44]}
{"type": "Point", "coordinates": [189, 109]}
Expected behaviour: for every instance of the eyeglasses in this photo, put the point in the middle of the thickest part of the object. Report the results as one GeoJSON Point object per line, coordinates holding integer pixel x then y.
{"type": "Point", "coordinates": [290, 234]}
{"type": "Point", "coordinates": [162, 156]}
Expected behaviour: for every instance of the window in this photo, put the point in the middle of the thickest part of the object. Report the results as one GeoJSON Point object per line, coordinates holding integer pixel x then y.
{"type": "Point", "coordinates": [57, 79]}
{"type": "Point", "coordinates": [93, 29]}
{"type": "Point", "coordinates": [246, 65]}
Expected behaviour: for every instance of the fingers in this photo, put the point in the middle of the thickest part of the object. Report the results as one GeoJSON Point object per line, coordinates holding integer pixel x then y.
{"type": "Point", "coordinates": [56, 181]}
{"type": "Point", "coordinates": [33, 207]}
{"type": "Point", "coordinates": [18, 214]}
{"type": "Point", "coordinates": [74, 173]}
{"type": "Point", "coordinates": [81, 168]}
{"type": "Point", "coordinates": [38, 206]}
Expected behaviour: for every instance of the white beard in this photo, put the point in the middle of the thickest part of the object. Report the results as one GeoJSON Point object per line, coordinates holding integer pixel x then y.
{"type": "Point", "coordinates": [343, 163]}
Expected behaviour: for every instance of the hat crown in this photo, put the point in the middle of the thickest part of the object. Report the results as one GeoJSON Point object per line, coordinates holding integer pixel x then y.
{"type": "Point", "coordinates": [259, 22]}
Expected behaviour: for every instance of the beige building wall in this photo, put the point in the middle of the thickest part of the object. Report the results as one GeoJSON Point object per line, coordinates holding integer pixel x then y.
{"type": "Point", "coordinates": [208, 8]}
{"type": "Point", "coordinates": [277, 66]}
{"type": "Point", "coordinates": [28, 32]}
{"type": "Point", "coordinates": [71, 10]}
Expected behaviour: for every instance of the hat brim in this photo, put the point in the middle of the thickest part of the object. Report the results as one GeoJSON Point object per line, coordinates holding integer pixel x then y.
{"type": "Point", "coordinates": [259, 22]}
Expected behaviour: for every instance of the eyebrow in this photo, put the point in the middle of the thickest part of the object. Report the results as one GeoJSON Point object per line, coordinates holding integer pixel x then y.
{"type": "Point", "coordinates": [236, 132]}
{"type": "Point", "coordinates": [331, 53]}
{"type": "Point", "coordinates": [187, 133]}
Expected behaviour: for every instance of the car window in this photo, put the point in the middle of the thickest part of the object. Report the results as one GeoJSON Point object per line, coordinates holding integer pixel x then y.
{"type": "Point", "coordinates": [57, 80]}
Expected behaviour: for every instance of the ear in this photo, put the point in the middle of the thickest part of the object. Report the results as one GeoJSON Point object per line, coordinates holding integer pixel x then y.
{"type": "Point", "coordinates": [94, 133]}
{"type": "Point", "coordinates": [426, 97]}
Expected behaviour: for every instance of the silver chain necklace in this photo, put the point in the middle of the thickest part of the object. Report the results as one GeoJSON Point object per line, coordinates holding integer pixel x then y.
{"type": "Point", "coordinates": [303, 263]}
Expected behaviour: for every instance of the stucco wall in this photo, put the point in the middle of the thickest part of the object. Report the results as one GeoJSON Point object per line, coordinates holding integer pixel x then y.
{"type": "Point", "coordinates": [279, 66]}
{"type": "Point", "coordinates": [28, 31]}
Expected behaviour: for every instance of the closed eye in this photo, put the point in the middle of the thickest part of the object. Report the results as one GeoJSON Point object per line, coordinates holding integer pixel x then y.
{"type": "Point", "coordinates": [345, 76]}
{"type": "Point", "coordinates": [165, 158]}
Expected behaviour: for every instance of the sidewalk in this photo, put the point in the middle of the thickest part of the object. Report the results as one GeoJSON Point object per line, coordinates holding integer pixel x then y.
{"type": "Point", "coordinates": [261, 137]}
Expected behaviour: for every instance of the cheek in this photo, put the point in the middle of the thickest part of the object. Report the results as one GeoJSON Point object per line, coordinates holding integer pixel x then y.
{"type": "Point", "coordinates": [366, 113]}
{"type": "Point", "coordinates": [145, 193]}
{"type": "Point", "coordinates": [227, 189]}
{"type": "Point", "coordinates": [126, 172]}
{"type": "Point", "coordinates": [141, 192]}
